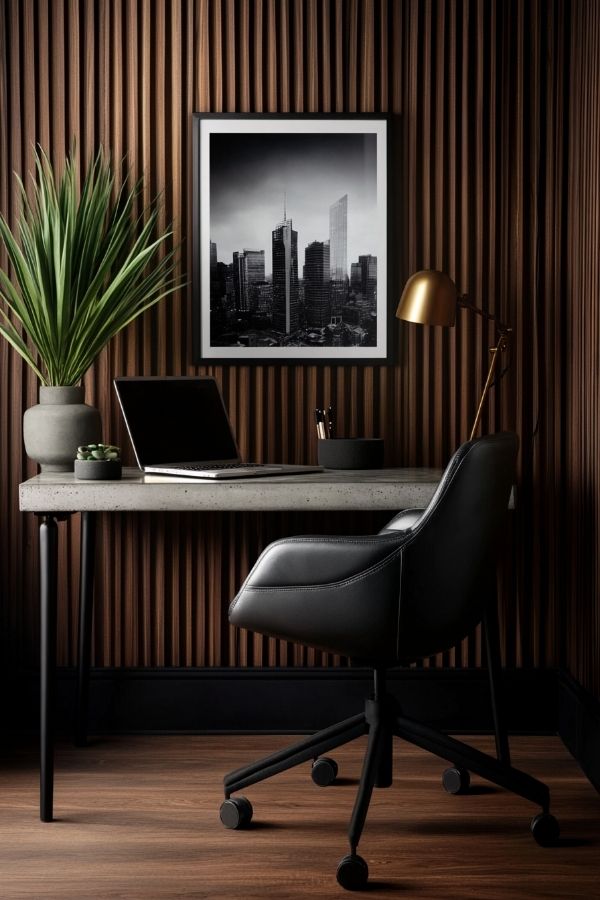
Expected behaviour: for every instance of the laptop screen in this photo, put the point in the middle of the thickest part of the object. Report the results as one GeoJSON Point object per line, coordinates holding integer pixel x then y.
{"type": "Point", "coordinates": [176, 420]}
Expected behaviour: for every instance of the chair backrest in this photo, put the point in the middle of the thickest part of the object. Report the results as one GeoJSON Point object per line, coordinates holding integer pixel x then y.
{"type": "Point", "coordinates": [449, 561]}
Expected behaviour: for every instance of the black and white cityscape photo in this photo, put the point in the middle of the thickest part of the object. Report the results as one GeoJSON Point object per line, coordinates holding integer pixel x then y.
{"type": "Point", "coordinates": [293, 231]}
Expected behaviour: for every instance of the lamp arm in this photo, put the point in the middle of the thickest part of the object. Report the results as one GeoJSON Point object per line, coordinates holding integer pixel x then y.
{"type": "Point", "coordinates": [503, 338]}
{"type": "Point", "coordinates": [501, 345]}
{"type": "Point", "coordinates": [466, 304]}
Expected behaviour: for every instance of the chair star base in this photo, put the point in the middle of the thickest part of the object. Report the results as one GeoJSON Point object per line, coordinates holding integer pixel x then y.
{"type": "Point", "coordinates": [382, 721]}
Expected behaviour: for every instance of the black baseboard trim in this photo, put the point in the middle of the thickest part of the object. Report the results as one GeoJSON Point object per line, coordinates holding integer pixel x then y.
{"type": "Point", "coordinates": [579, 725]}
{"type": "Point", "coordinates": [235, 700]}
{"type": "Point", "coordinates": [296, 701]}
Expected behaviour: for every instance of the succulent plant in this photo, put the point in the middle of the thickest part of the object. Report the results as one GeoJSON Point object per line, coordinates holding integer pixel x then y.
{"type": "Point", "coordinates": [98, 452]}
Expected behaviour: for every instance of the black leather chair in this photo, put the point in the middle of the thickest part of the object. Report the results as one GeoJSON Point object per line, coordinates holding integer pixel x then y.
{"type": "Point", "coordinates": [411, 591]}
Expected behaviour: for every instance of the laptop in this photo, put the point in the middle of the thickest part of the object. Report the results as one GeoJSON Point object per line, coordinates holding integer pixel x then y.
{"type": "Point", "coordinates": [179, 426]}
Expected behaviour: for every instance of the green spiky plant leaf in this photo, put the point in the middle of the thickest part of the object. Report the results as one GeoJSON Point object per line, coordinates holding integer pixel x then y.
{"type": "Point", "coordinates": [84, 266]}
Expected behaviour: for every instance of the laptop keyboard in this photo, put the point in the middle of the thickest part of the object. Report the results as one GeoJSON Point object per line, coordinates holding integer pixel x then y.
{"type": "Point", "coordinates": [201, 468]}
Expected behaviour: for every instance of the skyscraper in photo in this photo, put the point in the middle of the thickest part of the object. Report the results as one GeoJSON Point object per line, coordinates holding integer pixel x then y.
{"type": "Point", "coordinates": [368, 268]}
{"type": "Point", "coordinates": [215, 296]}
{"type": "Point", "coordinates": [316, 284]}
{"type": "Point", "coordinates": [338, 254]}
{"type": "Point", "coordinates": [285, 277]}
{"type": "Point", "coordinates": [338, 238]}
{"type": "Point", "coordinates": [248, 269]}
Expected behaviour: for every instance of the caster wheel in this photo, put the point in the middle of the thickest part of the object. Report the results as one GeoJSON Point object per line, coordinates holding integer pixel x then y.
{"type": "Point", "coordinates": [352, 873]}
{"type": "Point", "coordinates": [324, 771]}
{"type": "Point", "coordinates": [456, 781]}
{"type": "Point", "coordinates": [545, 829]}
{"type": "Point", "coordinates": [236, 813]}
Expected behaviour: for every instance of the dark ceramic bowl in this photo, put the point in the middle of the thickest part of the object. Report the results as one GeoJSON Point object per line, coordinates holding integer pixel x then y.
{"type": "Point", "coordinates": [350, 453]}
{"type": "Point", "coordinates": [98, 469]}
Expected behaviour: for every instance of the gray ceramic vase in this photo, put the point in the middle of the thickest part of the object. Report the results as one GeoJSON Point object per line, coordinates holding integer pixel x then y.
{"type": "Point", "coordinates": [57, 426]}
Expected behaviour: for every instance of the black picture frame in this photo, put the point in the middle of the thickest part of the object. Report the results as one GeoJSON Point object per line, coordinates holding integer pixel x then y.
{"type": "Point", "coordinates": [228, 317]}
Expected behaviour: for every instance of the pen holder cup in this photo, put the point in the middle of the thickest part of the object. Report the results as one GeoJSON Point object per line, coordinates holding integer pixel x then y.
{"type": "Point", "coordinates": [350, 453]}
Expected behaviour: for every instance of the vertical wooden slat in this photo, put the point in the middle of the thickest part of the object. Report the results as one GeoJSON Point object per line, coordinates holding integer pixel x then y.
{"type": "Point", "coordinates": [495, 179]}
{"type": "Point", "coordinates": [582, 325]}
{"type": "Point", "coordinates": [339, 74]}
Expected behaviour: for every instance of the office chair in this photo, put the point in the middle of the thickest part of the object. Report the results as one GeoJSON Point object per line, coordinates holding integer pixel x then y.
{"type": "Point", "coordinates": [411, 591]}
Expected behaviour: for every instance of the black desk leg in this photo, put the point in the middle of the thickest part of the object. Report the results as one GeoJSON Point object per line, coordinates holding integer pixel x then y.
{"type": "Point", "coordinates": [48, 589]}
{"type": "Point", "coordinates": [86, 611]}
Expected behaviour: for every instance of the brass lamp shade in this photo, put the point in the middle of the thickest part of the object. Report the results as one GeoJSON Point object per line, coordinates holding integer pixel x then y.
{"type": "Point", "coordinates": [428, 298]}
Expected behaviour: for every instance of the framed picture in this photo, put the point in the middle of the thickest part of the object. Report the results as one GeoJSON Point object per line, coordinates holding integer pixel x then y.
{"type": "Point", "coordinates": [290, 239]}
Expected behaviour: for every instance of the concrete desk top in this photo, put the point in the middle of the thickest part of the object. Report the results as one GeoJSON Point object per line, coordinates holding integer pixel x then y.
{"type": "Point", "coordinates": [372, 489]}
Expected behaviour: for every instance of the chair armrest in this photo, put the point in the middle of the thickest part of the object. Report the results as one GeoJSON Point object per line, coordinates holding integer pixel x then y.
{"type": "Point", "coordinates": [335, 593]}
{"type": "Point", "coordinates": [403, 521]}
{"type": "Point", "coordinates": [320, 559]}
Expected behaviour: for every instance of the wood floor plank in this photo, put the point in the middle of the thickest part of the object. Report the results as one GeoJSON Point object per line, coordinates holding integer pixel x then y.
{"type": "Point", "coordinates": [138, 818]}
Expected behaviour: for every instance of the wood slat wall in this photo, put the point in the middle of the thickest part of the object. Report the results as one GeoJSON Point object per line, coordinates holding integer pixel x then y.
{"type": "Point", "coordinates": [480, 91]}
{"type": "Point", "coordinates": [581, 325]}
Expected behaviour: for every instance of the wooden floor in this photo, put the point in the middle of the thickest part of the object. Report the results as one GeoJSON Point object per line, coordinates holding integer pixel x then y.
{"type": "Point", "coordinates": [138, 818]}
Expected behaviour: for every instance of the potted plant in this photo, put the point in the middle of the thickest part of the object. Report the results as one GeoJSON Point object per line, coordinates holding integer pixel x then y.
{"type": "Point", "coordinates": [98, 462]}
{"type": "Point", "coordinates": [84, 264]}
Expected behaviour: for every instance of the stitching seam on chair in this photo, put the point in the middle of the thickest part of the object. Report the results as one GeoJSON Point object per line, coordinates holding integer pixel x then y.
{"type": "Point", "coordinates": [429, 512]}
{"type": "Point", "coordinates": [399, 601]}
{"type": "Point", "coordinates": [335, 539]}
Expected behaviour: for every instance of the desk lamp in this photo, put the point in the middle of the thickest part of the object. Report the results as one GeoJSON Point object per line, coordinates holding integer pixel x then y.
{"type": "Point", "coordinates": [431, 298]}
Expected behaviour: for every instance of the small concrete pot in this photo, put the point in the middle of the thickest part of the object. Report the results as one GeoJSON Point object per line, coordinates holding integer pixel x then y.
{"type": "Point", "coordinates": [57, 426]}
{"type": "Point", "coordinates": [98, 469]}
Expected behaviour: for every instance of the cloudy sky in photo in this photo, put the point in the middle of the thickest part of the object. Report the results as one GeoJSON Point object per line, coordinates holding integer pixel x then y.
{"type": "Point", "coordinates": [251, 172]}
